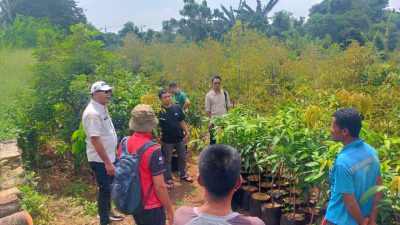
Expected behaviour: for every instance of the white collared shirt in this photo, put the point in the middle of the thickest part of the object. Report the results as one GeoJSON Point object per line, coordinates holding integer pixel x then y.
{"type": "Point", "coordinates": [97, 122]}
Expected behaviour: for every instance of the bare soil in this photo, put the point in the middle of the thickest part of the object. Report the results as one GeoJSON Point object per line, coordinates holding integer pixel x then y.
{"type": "Point", "coordinates": [56, 180]}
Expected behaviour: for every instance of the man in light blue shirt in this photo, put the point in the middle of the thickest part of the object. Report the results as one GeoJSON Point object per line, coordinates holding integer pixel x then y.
{"type": "Point", "coordinates": [355, 171]}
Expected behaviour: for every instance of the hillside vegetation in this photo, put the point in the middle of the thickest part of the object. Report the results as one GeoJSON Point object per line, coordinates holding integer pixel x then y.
{"type": "Point", "coordinates": [15, 77]}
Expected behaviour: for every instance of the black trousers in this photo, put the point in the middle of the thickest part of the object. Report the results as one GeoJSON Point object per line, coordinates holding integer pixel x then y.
{"type": "Point", "coordinates": [181, 151]}
{"type": "Point", "coordinates": [104, 197]}
{"type": "Point", "coordinates": [151, 217]}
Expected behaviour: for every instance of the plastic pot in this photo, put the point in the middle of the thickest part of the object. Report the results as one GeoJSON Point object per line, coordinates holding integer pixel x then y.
{"type": "Point", "coordinates": [289, 219]}
{"type": "Point", "coordinates": [253, 179]}
{"type": "Point", "coordinates": [271, 213]}
{"type": "Point", "coordinates": [290, 200]}
{"type": "Point", "coordinates": [244, 197]}
{"type": "Point", "coordinates": [292, 190]}
{"type": "Point", "coordinates": [277, 194]}
{"type": "Point", "coordinates": [282, 183]}
{"type": "Point", "coordinates": [257, 199]}
{"type": "Point", "coordinates": [318, 213]}
{"type": "Point", "coordinates": [266, 186]}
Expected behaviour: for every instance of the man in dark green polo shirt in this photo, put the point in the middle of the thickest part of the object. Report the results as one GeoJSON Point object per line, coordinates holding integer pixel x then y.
{"type": "Point", "coordinates": [180, 97]}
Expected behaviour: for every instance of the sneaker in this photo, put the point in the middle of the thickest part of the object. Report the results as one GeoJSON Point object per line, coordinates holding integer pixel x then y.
{"type": "Point", "coordinates": [113, 217]}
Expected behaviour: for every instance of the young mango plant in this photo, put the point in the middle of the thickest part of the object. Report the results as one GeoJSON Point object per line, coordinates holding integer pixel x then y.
{"type": "Point", "coordinates": [241, 130]}
{"type": "Point", "coordinates": [78, 140]}
{"type": "Point", "coordinates": [317, 157]}
{"type": "Point", "coordinates": [389, 154]}
{"type": "Point", "coordinates": [317, 176]}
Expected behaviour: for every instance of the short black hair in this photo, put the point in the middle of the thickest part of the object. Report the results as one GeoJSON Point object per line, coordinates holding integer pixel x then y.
{"type": "Point", "coordinates": [349, 118]}
{"type": "Point", "coordinates": [216, 77]}
{"type": "Point", "coordinates": [161, 92]}
{"type": "Point", "coordinates": [219, 169]}
{"type": "Point", "coordinates": [172, 84]}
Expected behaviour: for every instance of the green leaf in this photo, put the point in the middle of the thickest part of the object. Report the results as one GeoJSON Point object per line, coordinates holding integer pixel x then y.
{"type": "Point", "coordinates": [312, 164]}
{"type": "Point", "coordinates": [387, 144]}
{"type": "Point", "coordinates": [323, 165]}
{"type": "Point", "coordinates": [371, 192]}
{"type": "Point", "coordinates": [320, 174]}
{"type": "Point", "coordinates": [275, 140]}
{"type": "Point", "coordinates": [303, 156]}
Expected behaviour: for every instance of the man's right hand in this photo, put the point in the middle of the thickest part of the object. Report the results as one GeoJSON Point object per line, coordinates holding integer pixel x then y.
{"type": "Point", "coordinates": [110, 168]}
{"type": "Point", "coordinates": [158, 138]}
{"type": "Point", "coordinates": [365, 221]}
{"type": "Point", "coordinates": [170, 217]}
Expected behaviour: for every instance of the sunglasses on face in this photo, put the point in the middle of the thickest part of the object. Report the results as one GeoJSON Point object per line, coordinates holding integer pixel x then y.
{"type": "Point", "coordinates": [107, 92]}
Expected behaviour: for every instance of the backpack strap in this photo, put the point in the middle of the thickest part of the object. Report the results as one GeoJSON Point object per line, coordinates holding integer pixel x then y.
{"type": "Point", "coordinates": [124, 146]}
{"type": "Point", "coordinates": [226, 100]}
{"type": "Point", "coordinates": [144, 147]}
{"type": "Point", "coordinates": [140, 152]}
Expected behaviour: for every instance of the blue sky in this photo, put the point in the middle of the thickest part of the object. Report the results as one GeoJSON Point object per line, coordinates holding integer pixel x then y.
{"type": "Point", "coordinates": [113, 14]}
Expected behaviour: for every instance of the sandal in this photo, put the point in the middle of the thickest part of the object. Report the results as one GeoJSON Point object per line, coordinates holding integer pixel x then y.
{"type": "Point", "coordinates": [187, 178]}
{"type": "Point", "coordinates": [170, 184]}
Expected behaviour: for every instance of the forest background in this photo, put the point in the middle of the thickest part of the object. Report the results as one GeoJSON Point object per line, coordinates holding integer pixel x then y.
{"type": "Point", "coordinates": [347, 53]}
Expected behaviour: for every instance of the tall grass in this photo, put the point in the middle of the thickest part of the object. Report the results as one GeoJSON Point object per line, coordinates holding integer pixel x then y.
{"type": "Point", "coordinates": [15, 77]}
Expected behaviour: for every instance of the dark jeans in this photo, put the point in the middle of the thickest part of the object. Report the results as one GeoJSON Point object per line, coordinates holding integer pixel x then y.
{"type": "Point", "coordinates": [212, 134]}
{"type": "Point", "coordinates": [104, 198]}
{"type": "Point", "coordinates": [151, 217]}
{"type": "Point", "coordinates": [181, 150]}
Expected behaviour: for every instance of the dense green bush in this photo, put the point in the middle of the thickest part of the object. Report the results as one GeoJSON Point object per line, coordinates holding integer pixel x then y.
{"type": "Point", "coordinates": [63, 74]}
{"type": "Point", "coordinates": [24, 32]}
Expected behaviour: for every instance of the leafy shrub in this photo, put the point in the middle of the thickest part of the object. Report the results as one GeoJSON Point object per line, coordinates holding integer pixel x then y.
{"type": "Point", "coordinates": [24, 32]}
{"type": "Point", "coordinates": [33, 201]}
{"type": "Point", "coordinates": [60, 89]}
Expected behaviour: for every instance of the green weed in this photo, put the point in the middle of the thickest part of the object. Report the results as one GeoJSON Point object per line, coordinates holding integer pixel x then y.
{"type": "Point", "coordinates": [89, 208]}
{"type": "Point", "coordinates": [179, 203]}
{"type": "Point", "coordinates": [33, 201]}
{"type": "Point", "coordinates": [192, 192]}
{"type": "Point", "coordinates": [76, 189]}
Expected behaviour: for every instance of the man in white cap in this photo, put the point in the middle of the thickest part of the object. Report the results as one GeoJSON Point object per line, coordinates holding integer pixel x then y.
{"type": "Point", "coordinates": [101, 144]}
{"type": "Point", "coordinates": [156, 204]}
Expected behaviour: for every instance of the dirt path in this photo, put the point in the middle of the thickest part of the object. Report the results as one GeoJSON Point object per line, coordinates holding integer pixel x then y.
{"type": "Point", "coordinates": [55, 179]}
{"type": "Point", "coordinates": [183, 193]}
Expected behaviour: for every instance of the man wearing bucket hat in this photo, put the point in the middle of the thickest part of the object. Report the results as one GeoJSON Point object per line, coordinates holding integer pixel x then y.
{"type": "Point", "coordinates": [151, 169]}
{"type": "Point", "coordinates": [101, 143]}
